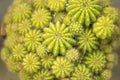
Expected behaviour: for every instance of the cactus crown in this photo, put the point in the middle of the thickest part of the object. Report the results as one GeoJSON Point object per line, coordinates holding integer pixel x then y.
{"type": "Point", "coordinates": [60, 39]}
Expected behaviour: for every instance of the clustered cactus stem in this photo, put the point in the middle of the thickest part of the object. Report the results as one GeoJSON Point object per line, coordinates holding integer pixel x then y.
{"type": "Point", "coordinates": [61, 39]}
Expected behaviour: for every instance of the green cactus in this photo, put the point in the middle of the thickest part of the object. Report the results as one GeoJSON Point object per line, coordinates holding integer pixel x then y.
{"type": "Point", "coordinates": [67, 20]}
{"type": "Point", "coordinates": [95, 61]}
{"type": "Point", "coordinates": [24, 76]}
{"type": "Point", "coordinates": [21, 12]}
{"type": "Point", "coordinates": [76, 28]}
{"type": "Point", "coordinates": [11, 40]}
{"type": "Point", "coordinates": [57, 38]}
{"type": "Point", "coordinates": [33, 35]}
{"type": "Point", "coordinates": [55, 5]}
{"type": "Point", "coordinates": [84, 11]}
{"type": "Point", "coordinates": [87, 41]}
{"type": "Point", "coordinates": [12, 27]}
{"type": "Point", "coordinates": [47, 61]}
{"type": "Point", "coordinates": [114, 15]}
{"type": "Point", "coordinates": [13, 65]}
{"type": "Point", "coordinates": [8, 17]}
{"type": "Point", "coordinates": [81, 72]}
{"type": "Point", "coordinates": [5, 54]}
{"type": "Point", "coordinates": [103, 25]}
{"type": "Point", "coordinates": [44, 75]}
{"type": "Point", "coordinates": [62, 67]}
{"type": "Point", "coordinates": [105, 3]}
{"type": "Point", "coordinates": [24, 26]}
{"type": "Point", "coordinates": [96, 78]}
{"type": "Point", "coordinates": [41, 18]}
{"type": "Point", "coordinates": [41, 51]}
{"type": "Point", "coordinates": [19, 52]}
{"type": "Point", "coordinates": [61, 39]}
{"type": "Point", "coordinates": [59, 16]}
{"type": "Point", "coordinates": [106, 75]}
{"type": "Point", "coordinates": [31, 63]}
{"type": "Point", "coordinates": [40, 3]}
{"type": "Point", "coordinates": [73, 55]}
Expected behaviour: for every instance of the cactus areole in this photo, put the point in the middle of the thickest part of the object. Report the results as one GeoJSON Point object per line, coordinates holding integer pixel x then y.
{"type": "Point", "coordinates": [61, 39]}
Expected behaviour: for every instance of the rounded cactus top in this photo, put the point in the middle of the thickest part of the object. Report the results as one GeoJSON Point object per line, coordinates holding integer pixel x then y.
{"type": "Point", "coordinates": [84, 11]}
{"type": "Point", "coordinates": [60, 39]}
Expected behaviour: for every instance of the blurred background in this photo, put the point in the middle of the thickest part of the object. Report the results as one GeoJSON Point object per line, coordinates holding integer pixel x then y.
{"type": "Point", "coordinates": [6, 75]}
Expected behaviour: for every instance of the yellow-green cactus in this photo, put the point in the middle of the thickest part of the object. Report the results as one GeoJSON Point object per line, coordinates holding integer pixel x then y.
{"type": "Point", "coordinates": [84, 11]}
{"type": "Point", "coordinates": [87, 41]}
{"type": "Point", "coordinates": [12, 27]}
{"type": "Point", "coordinates": [19, 52]}
{"type": "Point", "coordinates": [31, 63]}
{"type": "Point", "coordinates": [57, 38]}
{"type": "Point", "coordinates": [61, 39]}
{"type": "Point", "coordinates": [114, 15]}
{"type": "Point", "coordinates": [24, 76]}
{"type": "Point", "coordinates": [59, 16]}
{"type": "Point", "coordinates": [40, 3]}
{"type": "Point", "coordinates": [47, 61]}
{"type": "Point", "coordinates": [5, 54]}
{"type": "Point", "coordinates": [21, 12]}
{"type": "Point", "coordinates": [62, 67]}
{"type": "Point", "coordinates": [11, 40]}
{"type": "Point", "coordinates": [41, 50]}
{"type": "Point", "coordinates": [76, 28]}
{"type": "Point", "coordinates": [95, 61]}
{"type": "Point", "coordinates": [104, 27]}
{"type": "Point", "coordinates": [41, 18]}
{"type": "Point", "coordinates": [73, 55]}
{"type": "Point", "coordinates": [96, 78]}
{"type": "Point", "coordinates": [106, 75]}
{"type": "Point", "coordinates": [24, 26]}
{"type": "Point", "coordinates": [13, 65]}
{"type": "Point", "coordinates": [57, 5]}
{"type": "Point", "coordinates": [44, 75]}
{"type": "Point", "coordinates": [81, 72]}
{"type": "Point", "coordinates": [33, 35]}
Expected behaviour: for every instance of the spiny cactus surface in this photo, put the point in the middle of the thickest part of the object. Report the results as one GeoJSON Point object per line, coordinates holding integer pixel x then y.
{"type": "Point", "coordinates": [61, 39]}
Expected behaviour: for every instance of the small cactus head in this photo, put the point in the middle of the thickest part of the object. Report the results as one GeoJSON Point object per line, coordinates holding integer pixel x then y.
{"type": "Point", "coordinates": [61, 39]}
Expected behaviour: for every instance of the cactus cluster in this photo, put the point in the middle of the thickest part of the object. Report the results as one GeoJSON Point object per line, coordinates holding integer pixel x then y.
{"type": "Point", "coordinates": [61, 39]}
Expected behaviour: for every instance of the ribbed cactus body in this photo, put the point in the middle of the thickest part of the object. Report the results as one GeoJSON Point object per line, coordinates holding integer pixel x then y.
{"type": "Point", "coordinates": [21, 12]}
{"type": "Point", "coordinates": [57, 38]}
{"type": "Point", "coordinates": [61, 39]}
{"type": "Point", "coordinates": [57, 5]}
{"type": "Point", "coordinates": [81, 73]}
{"type": "Point", "coordinates": [31, 63]}
{"type": "Point", "coordinates": [84, 11]}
